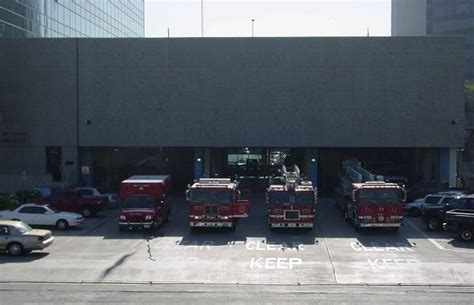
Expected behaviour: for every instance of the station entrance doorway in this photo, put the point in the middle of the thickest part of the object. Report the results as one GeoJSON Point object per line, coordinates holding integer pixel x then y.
{"type": "Point", "coordinates": [251, 166]}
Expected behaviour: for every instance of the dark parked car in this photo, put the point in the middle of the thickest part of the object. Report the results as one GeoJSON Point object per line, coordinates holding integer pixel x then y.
{"type": "Point", "coordinates": [461, 222]}
{"type": "Point", "coordinates": [435, 216]}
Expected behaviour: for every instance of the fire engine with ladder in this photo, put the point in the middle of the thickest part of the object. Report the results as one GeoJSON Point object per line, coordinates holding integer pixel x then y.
{"type": "Point", "coordinates": [215, 202]}
{"type": "Point", "coordinates": [293, 203]}
{"type": "Point", "coordinates": [368, 201]}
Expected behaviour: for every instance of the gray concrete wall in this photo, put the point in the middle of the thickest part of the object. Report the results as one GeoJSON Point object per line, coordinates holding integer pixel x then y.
{"type": "Point", "coordinates": [319, 92]}
{"type": "Point", "coordinates": [37, 107]}
{"type": "Point", "coordinates": [283, 92]}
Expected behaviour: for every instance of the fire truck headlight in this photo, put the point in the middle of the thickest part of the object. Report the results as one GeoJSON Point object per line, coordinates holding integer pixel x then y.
{"type": "Point", "coordinates": [123, 217]}
{"type": "Point", "coordinates": [148, 217]}
{"type": "Point", "coordinates": [224, 217]}
{"type": "Point", "coordinates": [197, 217]}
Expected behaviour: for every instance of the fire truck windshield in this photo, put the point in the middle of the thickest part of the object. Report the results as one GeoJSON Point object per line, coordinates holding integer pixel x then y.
{"type": "Point", "coordinates": [138, 202]}
{"type": "Point", "coordinates": [291, 197]}
{"type": "Point", "coordinates": [211, 195]}
{"type": "Point", "coordinates": [379, 196]}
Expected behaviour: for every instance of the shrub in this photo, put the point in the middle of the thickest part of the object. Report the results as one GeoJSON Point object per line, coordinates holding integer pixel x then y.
{"type": "Point", "coordinates": [26, 195]}
{"type": "Point", "coordinates": [7, 201]}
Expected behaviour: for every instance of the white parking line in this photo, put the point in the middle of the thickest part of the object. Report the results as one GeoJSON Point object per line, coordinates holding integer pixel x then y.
{"type": "Point", "coordinates": [434, 242]}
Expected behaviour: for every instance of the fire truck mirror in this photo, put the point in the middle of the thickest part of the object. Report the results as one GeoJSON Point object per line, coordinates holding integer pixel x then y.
{"type": "Point", "coordinates": [238, 195]}
{"type": "Point", "coordinates": [404, 194]}
{"type": "Point", "coordinates": [188, 197]}
{"type": "Point", "coordinates": [354, 195]}
{"type": "Point", "coordinates": [267, 199]}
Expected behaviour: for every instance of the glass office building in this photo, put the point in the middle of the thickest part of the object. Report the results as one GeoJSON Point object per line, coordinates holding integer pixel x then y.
{"type": "Point", "coordinates": [436, 17]}
{"type": "Point", "coordinates": [453, 17]}
{"type": "Point", "coordinates": [72, 18]}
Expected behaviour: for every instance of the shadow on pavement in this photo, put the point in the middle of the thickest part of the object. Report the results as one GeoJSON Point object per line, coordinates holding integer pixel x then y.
{"type": "Point", "coordinates": [329, 223]}
{"type": "Point", "coordinates": [33, 256]}
{"type": "Point", "coordinates": [292, 238]}
{"type": "Point", "coordinates": [211, 237]}
{"type": "Point", "coordinates": [461, 244]}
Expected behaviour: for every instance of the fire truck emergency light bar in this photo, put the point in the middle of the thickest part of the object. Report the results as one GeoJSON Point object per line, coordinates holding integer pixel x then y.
{"type": "Point", "coordinates": [214, 180]}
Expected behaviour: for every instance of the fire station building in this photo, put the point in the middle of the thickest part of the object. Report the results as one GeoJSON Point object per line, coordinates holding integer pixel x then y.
{"type": "Point", "coordinates": [95, 111]}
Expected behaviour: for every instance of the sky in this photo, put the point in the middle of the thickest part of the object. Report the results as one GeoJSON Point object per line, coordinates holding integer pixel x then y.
{"type": "Point", "coordinates": [231, 18]}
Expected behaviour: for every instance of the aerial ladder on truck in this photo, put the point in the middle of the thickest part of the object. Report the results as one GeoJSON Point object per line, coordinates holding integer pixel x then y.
{"type": "Point", "coordinates": [293, 176]}
{"type": "Point", "coordinates": [352, 172]}
{"type": "Point", "coordinates": [291, 204]}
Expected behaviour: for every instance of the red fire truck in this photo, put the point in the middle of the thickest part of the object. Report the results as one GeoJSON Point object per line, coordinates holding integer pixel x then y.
{"type": "Point", "coordinates": [145, 202]}
{"type": "Point", "coordinates": [368, 201]}
{"type": "Point", "coordinates": [215, 202]}
{"type": "Point", "coordinates": [375, 204]}
{"type": "Point", "coordinates": [293, 204]}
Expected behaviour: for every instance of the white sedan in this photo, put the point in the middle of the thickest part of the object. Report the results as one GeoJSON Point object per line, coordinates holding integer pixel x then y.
{"type": "Point", "coordinates": [43, 215]}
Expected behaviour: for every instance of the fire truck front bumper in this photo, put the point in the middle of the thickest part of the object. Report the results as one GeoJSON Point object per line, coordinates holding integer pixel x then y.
{"type": "Point", "coordinates": [136, 225]}
{"type": "Point", "coordinates": [211, 224]}
{"type": "Point", "coordinates": [379, 225]}
{"type": "Point", "coordinates": [291, 224]}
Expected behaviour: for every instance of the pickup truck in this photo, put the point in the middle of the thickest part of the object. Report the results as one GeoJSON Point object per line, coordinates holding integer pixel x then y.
{"type": "Point", "coordinates": [93, 191]}
{"type": "Point", "coordinates": [462, 222]}
{"type": "Point", "coordinates": [435, 216]}
{"type": "Point", "coordinates": [73, 201]}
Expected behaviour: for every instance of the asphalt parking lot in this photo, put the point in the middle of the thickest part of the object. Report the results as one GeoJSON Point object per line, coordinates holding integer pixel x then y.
{"type": "Point", "coordinates": [333, 253]}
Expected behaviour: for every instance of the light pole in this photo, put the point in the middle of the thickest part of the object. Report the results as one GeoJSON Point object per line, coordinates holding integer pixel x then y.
{"type": "Point", "coordinates": [202, 18]}
{"type": "Point", "coordinates": [253, 28]}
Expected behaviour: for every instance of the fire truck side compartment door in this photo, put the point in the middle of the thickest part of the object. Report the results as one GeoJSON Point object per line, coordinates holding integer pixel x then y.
{"type": "Point", "coordinates": [241, 208]}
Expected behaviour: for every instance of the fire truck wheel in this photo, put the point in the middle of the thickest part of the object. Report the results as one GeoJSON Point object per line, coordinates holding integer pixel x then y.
{"type": "Point", "coordinates": [167, 218]}
{"type": "Point", "coordinates": [394, 230]}
{"type": "Point", "coordinates": [122, 229]}
{"type": "Point", "coordinates": [346, 217]}
{"type": "Point", "coordinates": [356, 225]}
{"type": "Point", "coordinates": [233, 227]}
